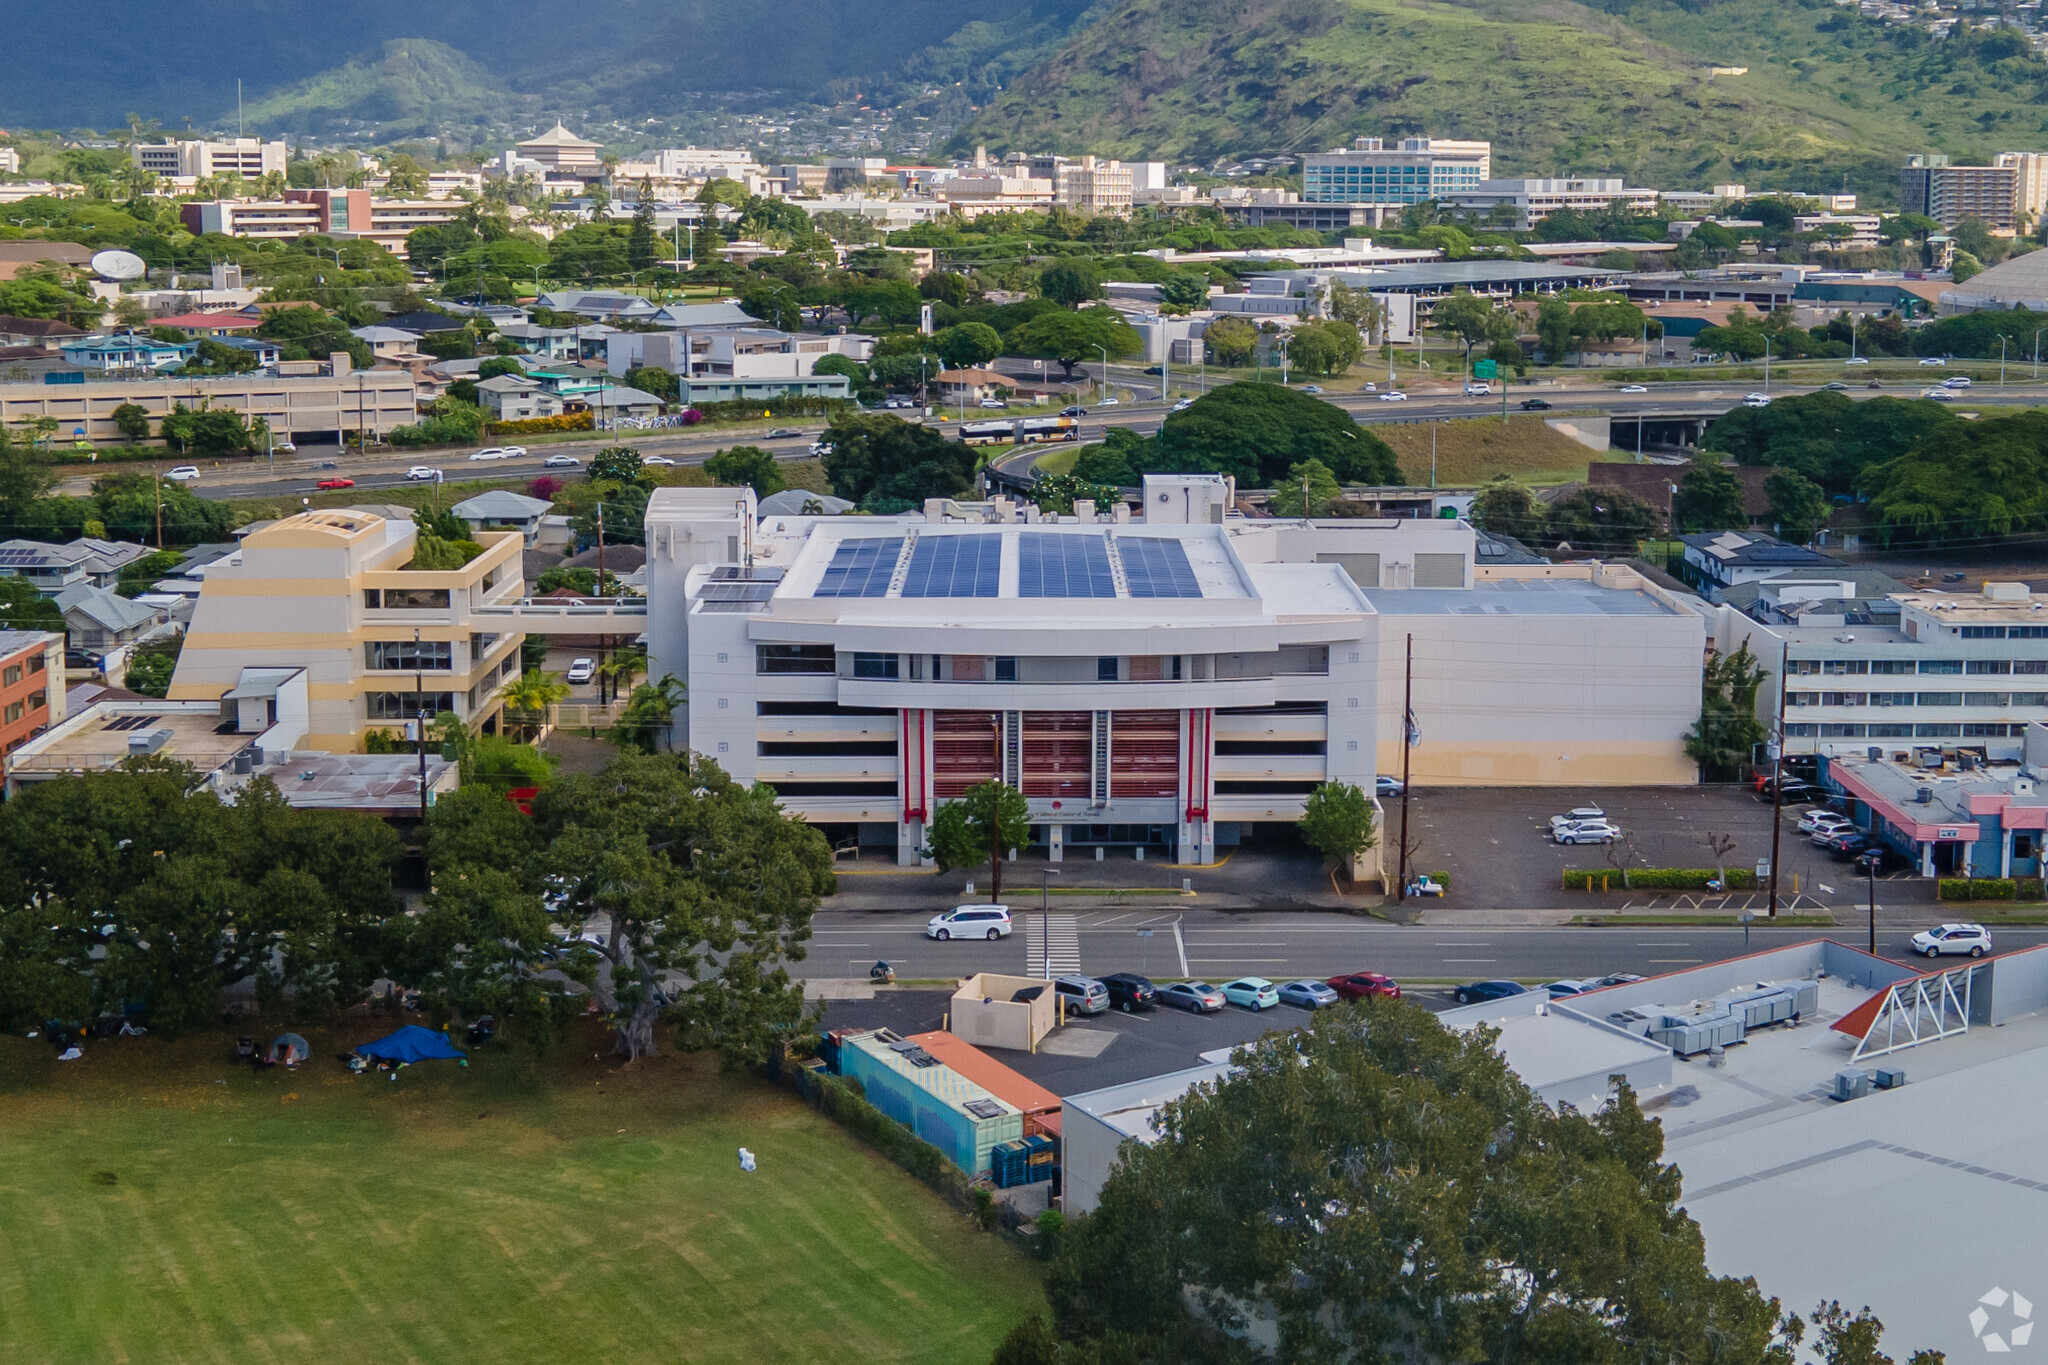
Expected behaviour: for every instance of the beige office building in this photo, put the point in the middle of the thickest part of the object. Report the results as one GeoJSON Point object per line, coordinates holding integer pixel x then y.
{"type": "Point", "coordinates": [332, 398]}
{"type": "Point", "coordinates": [249, 157]}
{"type": "Point", "coordinates": [2032, 189]}
{"type": "Point", "coordinates": [1090, 185]}
{"type": "Point", "coordinates": [330, 593]}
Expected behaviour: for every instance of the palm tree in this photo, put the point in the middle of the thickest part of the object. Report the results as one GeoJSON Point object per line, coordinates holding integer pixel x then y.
{"type": "Point", "coordinates": [621, 668]}
{"type": "Point", "coordinates": [528, 696]}
{"type": "Point", "coordinates": [648, 713]}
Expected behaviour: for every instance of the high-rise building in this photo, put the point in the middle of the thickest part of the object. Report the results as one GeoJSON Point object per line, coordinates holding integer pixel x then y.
{"type": "Point", "coordinates": [2031, 191]}
{"type": "Point", "coordinates": [1418, 170]}
{"type": "Point", "coordinates": [1948, 194]}
{"type": "Point", "coordinates": [247, 157]}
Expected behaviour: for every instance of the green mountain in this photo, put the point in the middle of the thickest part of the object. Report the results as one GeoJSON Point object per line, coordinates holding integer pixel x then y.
{"type": "Point", "coordinates": [413, 81]}
{"type": "Point", "coordinates": [1561, 88]}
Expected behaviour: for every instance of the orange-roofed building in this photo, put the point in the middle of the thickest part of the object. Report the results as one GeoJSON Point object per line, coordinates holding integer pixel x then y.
{"type": "Point", "coordinates": [1041, 1107]}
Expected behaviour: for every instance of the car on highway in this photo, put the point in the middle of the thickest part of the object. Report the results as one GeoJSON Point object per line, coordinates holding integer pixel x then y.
{"type": "Point", "coordinates": [1756, 400]}
{"type": "Point", "coordinates": [1308, 995]}
{"type": "Point", "coordinates": [820, 449]}
{"type": "Point", "coordinates": [1254, 993]}
{"type": "Point", "coordinates": [328, 484]}
{"type": "Point", "coordinates": [1198, 997]}
{"type": "Point", "coordinates": [1857, 360]}
{"type": "Point", "coordinates": [1943, 939]}
{"type": "Point", "coordinates": [1386, 786]}
{"type": "Point", "coordinates": [1939, 395]}
{"type": "Point", "coordinates": [422, 473]}
{"type": "Point", "coordinates": [1587, 832]}
{"type": "Point", "coordinates": [1577, 814]}
{"type": "Point", "coordinates": [1154, 369]}
{"type": "Point", "coordinates": [1535, 405]}
{"type": "Point", "coordinates": [900, 403]}
{"type": "Point", "coordinates": [328, 464]}
{"type": "Point", "coordinates": [1182, 406]}
{"type": "Point", "coordinates": [1935, 360]}
{"type": "Point", "coordinates": [970, 921]}
{"type": "Point", "coordinates": [656, 459]}
{"type": "Point", "coordinates": [184, 473]}
{"type": "Point", "coordinates": [1130, 992]}
{"type": "Point", "coordinates": [995, 403]}
{"type": "Point", "coordinates": [1478, 389]}
{"type": "Point", "coordinates": [1474, 991]}
{"type": "Point", "coordinates": [1837, 387]}
{"type": "Point", "coordinates": [779, 433]}
{"type": "Point", "coordinates": [1073, 411]}
{"type": "Point", "coordinates": [1111, 402]}
{"type": "Point", "coordinates": [1956, 381]}
{"type": "Point", "coordinates": [284, 448]}
{"type": "Point", "coordinates": [1360, 985]}
{"type": "Point", "coordinates": [1634, 388]}
{"type": "Point", "coordinates": [1393, 396]}
{"type": "Point", "coordinates": [1875, 384]}
{"type": "Point", "coordinates": [564, 462]}
{"type": "Point", "coordinates": [1082, 994]}
{"type": "Point", "coordinates": [1311, 388]}
{"type": "Point", "coordinates": [492, 453]}
{"type": "Point", "coordinates": [581, 671]}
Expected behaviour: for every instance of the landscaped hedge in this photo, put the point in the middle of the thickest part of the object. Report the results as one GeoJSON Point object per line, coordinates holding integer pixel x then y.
{"type": "Point", "coordinates": [533, 426]}
{"type": "Point", "coordinates": [1988, 889]}
{"type": "Point", "coordinates": [1656, 879]}
{"type": "Point", "coordinates": [842, 1101]}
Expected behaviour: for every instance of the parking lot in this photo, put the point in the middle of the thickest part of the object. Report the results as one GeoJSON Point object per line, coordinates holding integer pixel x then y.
{"type": "Point", "coordinates": [1495, 842]}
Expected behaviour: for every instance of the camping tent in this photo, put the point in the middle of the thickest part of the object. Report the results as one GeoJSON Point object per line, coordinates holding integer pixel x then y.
{"type": "Point", "coordinates": [289, 1048]}
{"type": "Point", "coordinates": [411, 1044]}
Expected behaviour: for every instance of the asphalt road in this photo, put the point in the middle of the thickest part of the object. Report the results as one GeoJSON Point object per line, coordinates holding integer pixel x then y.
{"type": "Point", "coordinates": [300, 474]}
{"type": "Point", "coordinates": [1220, 946]}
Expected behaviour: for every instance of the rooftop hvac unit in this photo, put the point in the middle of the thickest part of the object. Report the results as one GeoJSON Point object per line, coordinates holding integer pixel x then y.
{"type": "Point", "coordinates": [1632, 1021]}
{"type": "Point", "coordinates": [1887, 1078]}
{"type": "Point", "coordinates": [1805, 995]}
{"type": "Point", "coordinates": [1923, 795]}
{"type": "Point", "coordinates": [1689, 1034]}
{"type": "Point", "coordinates": [1758, 1006]}
{"type": "Point", "coordinates": [1851, 1085]}
{"type": "Point", "coordinates": [147, 742]}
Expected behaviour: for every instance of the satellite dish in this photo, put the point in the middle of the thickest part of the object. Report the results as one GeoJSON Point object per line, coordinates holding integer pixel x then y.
{"type": "Point", "coordinates": [116, 267]}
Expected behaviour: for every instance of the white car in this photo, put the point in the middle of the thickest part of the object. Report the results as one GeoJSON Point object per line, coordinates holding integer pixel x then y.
{"type": "Point", "coordinates": [1634, 388]}
{"type": "Point", "coordinates": [657, 459]}
{"type": "Point", "coordinates": [820, 449]}
{"type": "Point", "coordinates": [582, 671]}
{"type": "Point", "coordinates": [1935, 360]}
{"type": "Point", "coordinates": [422, 473]}
{"type": "Point", "coordinates": [1939, 395]}
{"type": "Point", "coordinates": [1479, 391]}
{"type": "Point", "coordinates": [564, 462]}
{"type": "Point", "coordinates": [993, 403]}
{"type": "Point", "coordinates": [184, 473]}
{"type": "Point", "coordinates": [970, 921]}
{"type": "Point", "coordinates": [1857, 360]}
{"type": "Point", "coordinates": [1394, 396]}
{"type": "Point", "coordinates": [1111, 402]}
{"type": "Point", "coordinates": [1973, 939]}
{"type": "Point", "coordinates": [1577, 814]}
{"type": "Point", "coordinates": [1311, 388]}
{"type": "Point", "coordinates": [285, 448]}
{"type": "Point", "coordinates": [1756, 400]}
{"type": "Point", "coordinates": [492, 453]}
{"type": "Point", "coordinates": [1959, 381]}
{"type": "Point", "coordinates": [1818, 819]}
{"type": "Point", "coordinates": [1182, 406]}
{"type": "Point", "coordinates": [1587, 832]}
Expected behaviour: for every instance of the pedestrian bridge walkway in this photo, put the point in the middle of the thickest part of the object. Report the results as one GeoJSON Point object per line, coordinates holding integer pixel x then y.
{"type": "Point", "coordinates": [568, 616]}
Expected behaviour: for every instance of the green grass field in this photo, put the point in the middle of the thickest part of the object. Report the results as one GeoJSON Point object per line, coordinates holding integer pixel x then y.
{"type": "Point", "coordinates": [158, 1203]}
{"type": "Point", "coordinates": [1472, 450]}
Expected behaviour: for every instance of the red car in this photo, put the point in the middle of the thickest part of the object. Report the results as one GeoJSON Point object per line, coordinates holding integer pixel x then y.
{"type": "Point", "coordinates": [1359, 985]}
{"type": "Point", "coordinates": [336, 483]}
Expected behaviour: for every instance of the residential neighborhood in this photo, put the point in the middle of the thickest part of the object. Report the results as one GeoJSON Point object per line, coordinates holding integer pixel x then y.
{"type": "Point", "coordinates": [959, 683]}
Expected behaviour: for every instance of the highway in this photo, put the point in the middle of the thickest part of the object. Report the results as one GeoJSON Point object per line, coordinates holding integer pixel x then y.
{"type": "Point", "coordinates": [1219, 946]}
{"type": "Point", "coordinates": [299, 474]}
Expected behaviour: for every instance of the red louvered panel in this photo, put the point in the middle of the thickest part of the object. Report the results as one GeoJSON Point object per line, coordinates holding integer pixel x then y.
{"type": "Point", "coordinates": [1144, 749]}
{"type": "Point", "coordinates": [963, 751]}
{"type": "Point", "coordinates": [1056, 754]}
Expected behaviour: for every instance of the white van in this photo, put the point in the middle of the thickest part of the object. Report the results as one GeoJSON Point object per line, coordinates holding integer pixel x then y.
{"type": "Point", "coordinates": [971, 921]}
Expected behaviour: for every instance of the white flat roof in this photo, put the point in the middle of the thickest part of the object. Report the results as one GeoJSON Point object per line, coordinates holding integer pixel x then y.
{"type": "Point", "coordinates": [1131, 1107]}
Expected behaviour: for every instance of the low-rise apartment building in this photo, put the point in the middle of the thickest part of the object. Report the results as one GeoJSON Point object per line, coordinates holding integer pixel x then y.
{"type": "Point", "coordinates": [331, 593]}
{"type": "Point", "coordinates": [1531, 201]}
{"type": "Point", "coordinates": [336, 399]}
{"type": "Point", "coordinates": [31, 685]}
{"type": "Point", "coordinates": [1168, 682]}
{"type": "Point", "coordinates": [326, 212]}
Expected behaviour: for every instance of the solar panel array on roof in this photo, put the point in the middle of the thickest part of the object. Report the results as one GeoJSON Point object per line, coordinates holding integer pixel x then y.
{"type": "Point", "coordinates": [860, 568]}
{"type": "Point", "coordinates": [1063, 566]}
{"type": "Point", "coordinates": [20, 556]}
{"type": "Point", "coordinates": [1155, 566]}
{"type": "Point", "coordinates": [954, 566]}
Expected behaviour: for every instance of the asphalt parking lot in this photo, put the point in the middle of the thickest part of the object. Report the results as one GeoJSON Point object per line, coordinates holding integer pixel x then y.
{"type": "Point", "coordinates": [1495, 842]}
{"type": "Point", "coordinates": [1139, 1045]}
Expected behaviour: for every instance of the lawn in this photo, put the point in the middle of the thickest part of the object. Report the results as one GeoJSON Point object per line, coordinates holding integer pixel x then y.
{"type": "Point", "coordinates": [159, 1203]}
{"type": "Point", "coordinates": [1474, 449]}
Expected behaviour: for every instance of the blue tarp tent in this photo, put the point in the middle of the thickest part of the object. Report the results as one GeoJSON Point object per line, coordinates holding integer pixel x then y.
{"type": "Point", "coordinates": [411, 1044]}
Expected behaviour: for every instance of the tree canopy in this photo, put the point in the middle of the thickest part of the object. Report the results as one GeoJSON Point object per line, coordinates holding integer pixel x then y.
{"type": "Point", "coordinates": [887, 464]}
{"type": "Point", "coordinates": [1072, 338]}
{"type": "Point", "coordinates": [1724, 739]}
{"type": "Point", "coordinates": [1257, 432]}
{"type": "Point", "coordinates": [1828, 438]}
{"type": "Point", "coordinates": [1709, 498]}
{"type": "Point", "coordinates": [981, 825]}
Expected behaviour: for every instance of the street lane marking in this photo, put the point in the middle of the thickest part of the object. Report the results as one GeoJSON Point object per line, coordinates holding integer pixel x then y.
{"type": "Point", "coordinates": [1673, 961]}
{"type": "Point", "coordinates": [1484, 943]}
{"type": "Point", "coordinates": [1471, 959]}
{"type": "Point", "coordinates": [1219, 961]}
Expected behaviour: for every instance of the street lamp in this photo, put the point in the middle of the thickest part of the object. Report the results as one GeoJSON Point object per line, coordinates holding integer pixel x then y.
{"type": "Point", "coordinates": [2001, 362]}
{"type": "Point", "coordinates": [1105, 370]}
{"type": "Point", "coordinates": [1767, 362]}
{"type": "Point", "coordinates": [2037, 353]}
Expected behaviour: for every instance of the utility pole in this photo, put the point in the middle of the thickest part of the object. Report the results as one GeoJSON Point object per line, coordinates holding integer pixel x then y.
{"type": "Point", "coordinates": [1870, 872]}
{"type": "Point", "coordinates": [157, 483]}
{"type": "Point", "coordinates": [1407, 746]}
{"type": "Point", "coordinates": [1777, 780]}
{"type": "Point", "coordinates": [1432, 454]}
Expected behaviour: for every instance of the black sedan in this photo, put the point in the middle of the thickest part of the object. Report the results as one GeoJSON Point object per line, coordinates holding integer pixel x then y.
{"type": "Point", "coordinates": [1474, 991]}
{"type": "Point", "coordinates": [1535, 405]}
{"type": "Point", "coordinates": [1128, 991]}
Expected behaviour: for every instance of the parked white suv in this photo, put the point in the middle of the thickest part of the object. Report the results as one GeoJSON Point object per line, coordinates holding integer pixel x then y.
{"type": "Point", "coordinates": [1973, 939]}
{"type": "Point", "coordinates": [971, 921]}
{"type": "Point", "coordinates": [1824, 825]}
{"type": "Point", "coordinates": [184, 473]}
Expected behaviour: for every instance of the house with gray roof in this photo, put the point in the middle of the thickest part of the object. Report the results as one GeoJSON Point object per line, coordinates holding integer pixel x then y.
{"type": "Point", "coordinates": [99, 620]}
{"type": "Point", "coordinates": [503, 510]}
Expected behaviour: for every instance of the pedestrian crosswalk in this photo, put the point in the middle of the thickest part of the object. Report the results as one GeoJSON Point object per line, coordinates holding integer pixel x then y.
{"type": "Point", "coordinates": [1052, 944]}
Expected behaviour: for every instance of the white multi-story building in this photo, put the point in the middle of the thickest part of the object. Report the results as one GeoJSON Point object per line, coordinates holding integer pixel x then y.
{"type": "Point", "coordinates": [1089, 185]}
{"type": "Point", "coordinates": [2032, 189]}
{"type": "Point", "coordinates": [1171, 681]}
{"type": "Point", "coordinates": [248, 157]}
{"type": "Point", "coordinates": [1418, 170]}
{"type": "Point", "coordinates": [990, 191]}
{"type": "Point", "coordinates": [1534, 200]}
{"type": "Point", "coordinates": [10, 161]}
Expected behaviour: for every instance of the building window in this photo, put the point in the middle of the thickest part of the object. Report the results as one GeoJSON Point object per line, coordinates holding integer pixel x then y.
{"type": "Point", "coordinates": [38, 700]}
{"type": "Point", "coordinates": [1891, 698]}
{"type": "Point", "coordinates": [39, 663]}
{"type": "Point", "coordinates": [1802, 698]}
{"type": "Point", "coordinates": [482, 644]}
{"type": "Point", "coordinates": [428, 656]}
{"type": "Point", "coordinates": [1800, 729]}
{"type": "Point", "coordinates": [1891, 666]}
{"type": "Point", "coordinates": [1891, 731]}
{"type": "Point", "coordinates": [405, 599]}
{"type": "Point", "coordinates": [876, 666]}
{"type": "Point", "coordinates": [1988, 730]}
{"type": "Point", "coordinates": [1990, 666]}
{"type": "Point", "coordinates": [2027, 633]}
{"type": "Point", "coordinates": [1982, 632]}
{"type": "Point", "coordinates": [1926, 731]}
{"type": "Point", "coordinates": [793, 659]}
{"type": "Point", "coordinates": [1986, 698]}
{"type": "Point", "coordinates": [407, 705]}
{"type": "Point", "coordinates": [2030, 665]}
{"type": "Point", "coordinates": [1941, 699]}
{"type": "Point", "coordinates": [13, 712]}
{"type": "Point", "coordinates": [721, 656]}
{"type": "Point", "coordinates": [1841, 732]}
{"type": "Point", "coordinates": [1941, 665]}
{"type": "Point", "coordinates": [1842, 667]}
{"type": "Point", "coordinates": [1844, 698]}
{"type": "Point", "coordinates": [10, 675]}
{"type": "Point", "coordinates": [1006, 670]}
{"type": "Point", "coordinates": [2030, 699]}
{"type": "Point", "coordinates": [1801, 668]}
{"type": "Point", "coordinates": [1105, 670]}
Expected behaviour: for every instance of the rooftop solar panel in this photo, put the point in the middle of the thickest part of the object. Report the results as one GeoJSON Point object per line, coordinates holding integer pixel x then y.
{"type": "Point", "coordinates": [1063, 566]}
{"type": "Point", "coordinates": [860, 568]}
{"type": "Point", "coordinates": [1155, 566]}
{"type": "Point", "coordinates": [954, 566]}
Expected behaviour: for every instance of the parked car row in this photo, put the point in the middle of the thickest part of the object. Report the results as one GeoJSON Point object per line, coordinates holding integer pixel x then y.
{"type": "Point", "coordinates": [1584, 825]}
